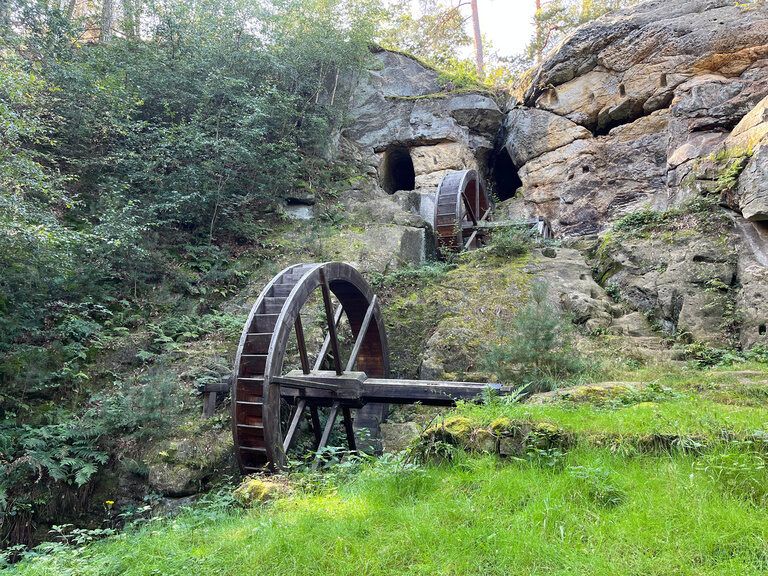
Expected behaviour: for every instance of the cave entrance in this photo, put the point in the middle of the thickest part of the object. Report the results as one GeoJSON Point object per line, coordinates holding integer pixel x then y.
{"type": "Point", "coordinates": [396, 171]}
{"type": "Point", "coordinates": [504, 178]}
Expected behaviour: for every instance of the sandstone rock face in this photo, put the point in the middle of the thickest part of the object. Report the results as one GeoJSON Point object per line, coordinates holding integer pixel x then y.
{"type": "Point", "coordinates": [686, 282]}
{"type": "Point", "coordinates": [752, 130]}
{"type": "Point", "coordinates": [656, 87]}
{"type": "Point", "coordinates": [627, 114]}
{"type": "Point", "coordinates": [532, 132]}
{"type": "Point", "coordinates": [753, 187]}
{"type": "Point", "coordinates": [401, 101]}
{"type": "Point", "coordinates": [630, 62]}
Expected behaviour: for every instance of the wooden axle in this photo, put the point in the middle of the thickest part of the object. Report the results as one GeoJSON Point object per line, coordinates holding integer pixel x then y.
{"type": "Point", "coordinates": [355, 389]}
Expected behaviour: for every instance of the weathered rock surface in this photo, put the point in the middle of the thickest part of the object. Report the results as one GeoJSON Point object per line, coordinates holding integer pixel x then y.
{"type": "Point", "coordinates": [627, 114]}
{"type": "Point", "coordinates": [753, 187]}
{"type": "Point", "coordinates": [629, 63]}
{"type": "Point", "coordinates": [532, 132]}
{"type": "Point", "coordinates": [396, 437]}
{"type": "Point", "coordinates": [659, 86]}
{"type": "Point", "coordinates": [182, 466]}
{"type": "Point", "coordinates": [399, 100]}
{"type": "Point", "coordinates": [752, 130]}
{"type": "Point", "coordinates": [684, 281]}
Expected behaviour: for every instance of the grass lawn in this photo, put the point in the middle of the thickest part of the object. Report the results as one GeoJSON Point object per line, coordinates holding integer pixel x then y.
{"type": "Point", "coordinates": [590, 510]}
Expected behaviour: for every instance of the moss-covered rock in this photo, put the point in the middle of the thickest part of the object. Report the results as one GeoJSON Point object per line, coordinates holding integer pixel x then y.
{"type": "Point", "coordinates": [254, 491]}
{"type": "Point", "coordinates": [184, 465]}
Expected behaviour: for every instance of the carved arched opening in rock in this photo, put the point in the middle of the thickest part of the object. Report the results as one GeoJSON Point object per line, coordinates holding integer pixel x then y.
{"type": "Point", "coordinates": [396, 172]}
{"type": "Point", "coordinates": [761, 330]}
{"type": "Point", "coordinates": [504, 178]}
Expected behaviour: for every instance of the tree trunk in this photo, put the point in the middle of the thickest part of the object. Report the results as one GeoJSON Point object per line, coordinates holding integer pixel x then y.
{"type": "Point", "coordinates": [107, 20]}
{"type": "Point", "coordinates": [539, 33]}
{"type": "Point", "coordinates": [5, 14]}
{"type": "Point", "coordinates": [131, 18]}
{"type": "Point", "coordinates": [478, 40]}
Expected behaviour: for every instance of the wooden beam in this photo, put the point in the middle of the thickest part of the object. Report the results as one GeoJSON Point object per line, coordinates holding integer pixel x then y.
{"type": "Point", "coordinates": [326, 433]}
{"type": "Point", "coordinates": [329, 317]}
{"type": "Point", "coordinates": [438, 393]}
{"type": "Point", "coordinates": [327, 342]}
{"type": "Point", "coordinates": [294, 425]}
{"type": "Point", "coordinates": [361, 335]}
{"type": "Point", "coordinates": [209, 404]}
{"type": "Point", "coordinates": [303, 383]}
{"type": "Point", "coordinates": [315, 425]}
{"type": "Point", "coordinates": [302, 344]}
{"type": "Point", "coordinates": [469, 208]}
{"type": "Point", "coordinates": [349, 429]}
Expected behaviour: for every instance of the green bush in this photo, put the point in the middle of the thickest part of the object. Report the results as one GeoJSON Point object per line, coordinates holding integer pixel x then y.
{"type": "Point", "coordinates": [510, 242]}
{"type": "Point", "coordinates": [535, 351]}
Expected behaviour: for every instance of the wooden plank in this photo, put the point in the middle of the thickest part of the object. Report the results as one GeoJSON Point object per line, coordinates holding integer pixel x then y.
{"type": "Point", "coordinates": [348, 428]}
{"type": "Point", "coordinates": [330, 320]}
{"type": "Point", "coordinates": [302, 345]}
{"type": "Point", "coordinates": [294, 424]}
{"type": "Point", "coordinates": [361, 335]}
{"type": "Point", "coordinates": [327, 342]}
{"type": "Point", "coordinates": [326, 432]}
{"type": "Point", "coordinates": [257, 342]}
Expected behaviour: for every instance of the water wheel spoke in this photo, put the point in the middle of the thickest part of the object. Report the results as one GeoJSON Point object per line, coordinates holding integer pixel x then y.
{"type": "Point", "coordinates": [316, 425]}
{"type": "Point", "coordinates": [299, 412]}
{"type": "Point", "coordinates": [301, 344]}
{"type": "Point", "coordinates": [349, 429]}
{"type": "Point", "coordinates": [470, 210]}
{"type": "Point", "coordinates": [326, 433]}
{"type": "Point", "coordinates": [474, 234]}
{"type": "Point", "coordinates": [331, 322]}
{"type": "Point", "coordinates": [327, 342]}
{"type": "Point", "coordinates": [361, 335]}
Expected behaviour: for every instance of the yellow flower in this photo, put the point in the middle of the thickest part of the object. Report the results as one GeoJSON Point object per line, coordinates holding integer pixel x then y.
{"type": "Point", "coordinates": [109, 502]}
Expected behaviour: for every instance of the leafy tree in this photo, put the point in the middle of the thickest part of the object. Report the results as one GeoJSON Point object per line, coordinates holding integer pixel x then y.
{"type": "Point", "coordinates": [554, 19]}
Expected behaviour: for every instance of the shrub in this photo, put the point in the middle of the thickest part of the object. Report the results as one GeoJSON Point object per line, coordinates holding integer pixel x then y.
{"type": "Point", "coordinates": [511, 242]}
{"type": "Point", "coordinates": [536, 351]}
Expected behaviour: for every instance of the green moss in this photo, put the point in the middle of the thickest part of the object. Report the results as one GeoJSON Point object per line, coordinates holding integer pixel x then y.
{"type": "Point", "coordinates": [501, 425]}
{"type": "Point", "coordinates": [255, 490]}
{"type": "Point", "coordinates": [463, 304]}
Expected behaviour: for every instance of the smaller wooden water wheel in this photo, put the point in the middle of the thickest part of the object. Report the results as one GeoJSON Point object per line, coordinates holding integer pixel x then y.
{"type": "Point", "coordinates": [461, 205]}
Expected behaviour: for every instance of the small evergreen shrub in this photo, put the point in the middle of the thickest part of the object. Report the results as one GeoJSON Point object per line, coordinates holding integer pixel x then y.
{"type": "Point", "coordinates": [536, 350]}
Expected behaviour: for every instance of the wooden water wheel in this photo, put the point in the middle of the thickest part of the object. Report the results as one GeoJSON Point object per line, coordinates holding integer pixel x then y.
{"type": "Point", "coordinates": [262, 432]}
{"type": "Point", "coordinates": [461, 205]}
{"type": "Point", "coordinates": [270, 401]}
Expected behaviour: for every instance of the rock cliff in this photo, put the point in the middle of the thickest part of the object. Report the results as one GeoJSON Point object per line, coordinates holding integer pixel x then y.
{"type": "Point", "coordinates": [640, 140]}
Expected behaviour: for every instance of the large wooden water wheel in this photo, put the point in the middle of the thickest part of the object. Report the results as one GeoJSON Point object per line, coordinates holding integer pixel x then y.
{"type": "Point", "coordinates": [461, 206]}
{"type": "Point", "coordinates": [262, 432]}
{"type": "Point", "coordinates": [272, 402]}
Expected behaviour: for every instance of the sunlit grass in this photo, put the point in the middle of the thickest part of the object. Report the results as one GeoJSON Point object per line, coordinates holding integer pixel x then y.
{"type": "Point", "coordinates": [478, 515]}
{"type": "Point", "coordinates": [592, 510]}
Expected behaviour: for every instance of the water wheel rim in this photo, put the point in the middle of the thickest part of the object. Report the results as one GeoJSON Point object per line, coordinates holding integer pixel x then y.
{"type": "Point", "coordinates": [355, 296]}
{"type": "Point", "coordinates": [450, 209]}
